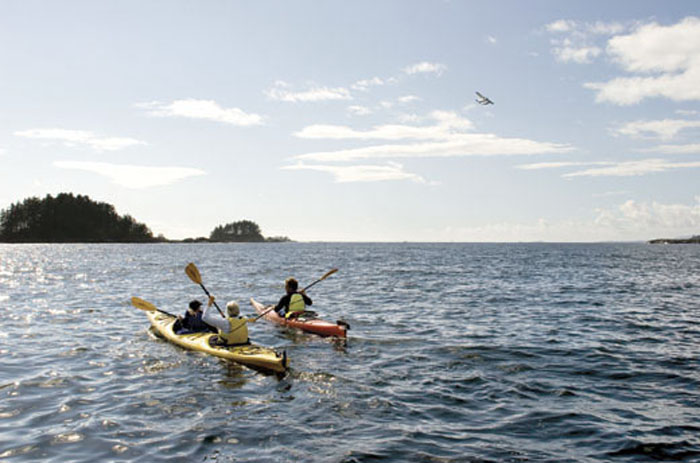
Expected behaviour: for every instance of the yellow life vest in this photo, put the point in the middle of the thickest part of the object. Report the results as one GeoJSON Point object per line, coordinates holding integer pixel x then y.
{"type": "Point", "coordinates": [296, 304]}
{"type": "Point", "coordinates": [236, 335]}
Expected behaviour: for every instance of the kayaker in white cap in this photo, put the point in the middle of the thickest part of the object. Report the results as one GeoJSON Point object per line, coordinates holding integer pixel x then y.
{"type": "Point", "coordinates": [233, 329]}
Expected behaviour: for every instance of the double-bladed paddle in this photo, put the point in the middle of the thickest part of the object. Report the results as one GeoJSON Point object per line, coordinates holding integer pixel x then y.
{"type": "Point", "coordinates": [147, 306]}
{"type": "Point", "coordinates": [193, 272]}
{"type": "Point", "coordinates": [329, 273]}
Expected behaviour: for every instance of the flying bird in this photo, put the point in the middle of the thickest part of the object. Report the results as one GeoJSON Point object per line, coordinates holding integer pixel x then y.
{"type": "Point", "coordinates": [483, 100]}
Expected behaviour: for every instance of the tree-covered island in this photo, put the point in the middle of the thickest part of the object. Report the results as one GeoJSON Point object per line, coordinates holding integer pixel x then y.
{"type": "Point", "coordinates": [68, 218]}
{"type": "Point", "coordinates": [692, 240]}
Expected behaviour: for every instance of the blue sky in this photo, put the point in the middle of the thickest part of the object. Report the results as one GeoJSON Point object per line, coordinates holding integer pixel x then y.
{"type": "Point", "coordinates": [357, 121]}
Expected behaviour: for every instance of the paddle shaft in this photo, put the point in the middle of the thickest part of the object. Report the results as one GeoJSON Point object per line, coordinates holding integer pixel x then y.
{"type": "Point", "coordinates": [317, 281]}
{"type": "Point", "coordinates": [215, 304]}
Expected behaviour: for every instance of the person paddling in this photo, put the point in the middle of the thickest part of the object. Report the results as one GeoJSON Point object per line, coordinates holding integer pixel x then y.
{"type": "Point", "coordinates": [294, 302]}
{"type": "Point", "coordinates": [233, 329]}
{"type": "Point", "coordinates": [192, 321]}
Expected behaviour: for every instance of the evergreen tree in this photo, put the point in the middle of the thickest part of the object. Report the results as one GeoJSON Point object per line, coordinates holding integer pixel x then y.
{"type": "Point", "coordinates": [241, 231]}
{"type": "Point", "coordinates": [68, 219]}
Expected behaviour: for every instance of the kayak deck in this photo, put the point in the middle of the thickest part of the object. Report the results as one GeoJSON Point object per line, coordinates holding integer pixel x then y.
{"type": "Point", "coordinates": [250, 355]}
{"type": "Point", "coordinates": [309, 323]}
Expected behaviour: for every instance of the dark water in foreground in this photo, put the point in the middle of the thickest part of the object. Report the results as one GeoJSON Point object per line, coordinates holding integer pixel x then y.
{"type": "Point", "coordinates": [457, 353]}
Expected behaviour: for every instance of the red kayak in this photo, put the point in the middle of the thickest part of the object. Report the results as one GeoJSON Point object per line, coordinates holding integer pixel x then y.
{"type": "Point", "coordinates": [307, 321]}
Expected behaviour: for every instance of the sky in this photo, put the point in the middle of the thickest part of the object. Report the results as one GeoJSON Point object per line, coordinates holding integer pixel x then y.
{"type": "Point", "coordinates": [358, 121]}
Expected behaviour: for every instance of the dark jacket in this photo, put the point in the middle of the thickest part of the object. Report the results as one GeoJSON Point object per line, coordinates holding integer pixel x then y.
{"type": "Point", "coordinates": [194, 324]}
{"type": "Point", "coordinates": [283, 305]}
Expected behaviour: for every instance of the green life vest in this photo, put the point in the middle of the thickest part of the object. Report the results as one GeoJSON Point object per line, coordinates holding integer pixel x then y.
{"type": "Point", "coordinates": [296, 304]}
{"type": "Point", "coordinates": [236, 335]}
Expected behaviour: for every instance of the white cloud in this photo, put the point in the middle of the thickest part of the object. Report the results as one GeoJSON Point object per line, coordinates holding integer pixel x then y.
{"type": "Point", "coordinates": [446, 138]}
{"type": "Point", "coordinates": [634, 168]}
{"type": "Point", "coordinates": [134, 177]}
{"type": "Point", "coordinates": [361, 173]}
{"type": "Point", "coordinates": [561, 25]}
{"type": "Point", "coordinates": [202, 109]}
{"type": "Point", "coordinates": [580, 55]}
{"type": "Point", "coordinates": [408, 99]}
{"type": "Point", "coordinates": [459, 145]}
{"type": "Point", "coordinates": [558, 165]}
{"type": "Point", "coordinates": [672, 53]}
{"type": "Point", "coordinates": [578, 42]}
{"type": "Point", "coordinates": [281, 92]}
{"type": "Point", "coordinates": [80, 137]}
{"type": "Point", "coordinates": [679, 218]}
{"type": "Point", "coordinates": [630, 220]}
{"type": "Point", "coordinates": [425, 68]}
{"type": "Point", "coordinates": [665, 129]}
{"type": "Point", "coordinates": [447, 123]}
{"type": "Point", "coordinates": [675, 149]}
{"type": "Point", "coordinates": [491, 39]}
{"type": "Point", "coordinates": [365, 84]}
{"type": "Point", "coordinates": [357, 110]}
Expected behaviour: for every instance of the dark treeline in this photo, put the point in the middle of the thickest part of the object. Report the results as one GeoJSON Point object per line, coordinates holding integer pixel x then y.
{"type": "Point", "coordinates": [241, 231]}
{"type": "Point", "coordinates": [69, 219]}
{"type": "Point", "coordinates": [693, 240]}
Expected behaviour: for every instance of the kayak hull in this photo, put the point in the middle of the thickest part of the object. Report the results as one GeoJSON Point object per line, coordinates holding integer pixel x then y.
{"type": "Point", "coordinates": [311, 325]}
{"type": "Point", "coordinates": [250, 355]}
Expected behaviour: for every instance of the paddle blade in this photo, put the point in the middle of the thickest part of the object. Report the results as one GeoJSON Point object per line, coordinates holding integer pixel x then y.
{"type": "Point", "coordinates": [330, 272]}
{"type": "Point", "coordinates": [143, 305]}
{"type": "Point", "coordinates": [193, 272]}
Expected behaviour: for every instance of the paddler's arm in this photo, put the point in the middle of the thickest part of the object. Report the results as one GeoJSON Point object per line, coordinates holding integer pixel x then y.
{"type": "Point", "coordinates": [307, 299]}
{"type": "Point", "coordinates": [211, 318]}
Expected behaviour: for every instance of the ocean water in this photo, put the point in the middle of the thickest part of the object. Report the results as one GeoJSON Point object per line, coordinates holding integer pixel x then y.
{"type": "Point", "coordinates": [457, 353]}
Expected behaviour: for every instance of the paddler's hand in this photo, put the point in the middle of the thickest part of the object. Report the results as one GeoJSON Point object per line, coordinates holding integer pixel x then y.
{"type": "Point", "coordinates": [210, 302]}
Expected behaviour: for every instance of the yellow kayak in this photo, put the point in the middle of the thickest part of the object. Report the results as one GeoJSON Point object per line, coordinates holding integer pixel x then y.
{"type": "Point", "coordinates": [250, 355]}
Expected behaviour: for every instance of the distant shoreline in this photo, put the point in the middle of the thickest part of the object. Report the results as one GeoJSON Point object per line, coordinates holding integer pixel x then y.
{"type": "Point", "coordinates": [693, 240]}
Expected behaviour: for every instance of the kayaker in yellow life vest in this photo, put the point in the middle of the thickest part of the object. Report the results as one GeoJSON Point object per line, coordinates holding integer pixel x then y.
{"type": "Point", "coordinates": [294, 302]}
{"type": "Point", "coordinates": [232, 329]}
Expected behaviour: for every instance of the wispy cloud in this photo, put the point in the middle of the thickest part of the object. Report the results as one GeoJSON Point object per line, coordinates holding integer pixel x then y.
{"type": "Point", "coordinates": [425, 67]}
{"type": "Point", "coordinates": [357, 110]}
{"type": "Point", "coordinates": [447, 122]}
{"type": "Point", "coordinates": [282, 91]}
{"type": "Point", "coordinates": [652, 216]}
{"type": "Point", "coordinates": [566, 52]}
{"type": "Point", "coordinates": [559, 165]}
{"type": "Point", "coordinates": [665, 129]}
{"type": "Point", "coordinates": [446, 138]}
{"type": "Point", "coordinates": [575, 41]}
{"type": "Point", "coordinates": [80, 138]}
{"type": "Point", "coordinates": [134, 177]}
{"type": "Point", "coordinates": [634, 168]}
{"type": "Point", "coordinates": [361, 173]}
{"type": "Point", "coordinates": [202, 109]}
{"type": "Point", "coordinates": [365, 84]}
{"type": "Point", "coordinates": [406, 99]}
{"type": "Point", "coordinates": [693, 148]}
{"type": "Point", "coordinates": [672, 53]}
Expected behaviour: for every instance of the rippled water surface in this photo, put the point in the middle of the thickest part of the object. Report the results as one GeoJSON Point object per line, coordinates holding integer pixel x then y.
{"type": "Point", "coordinates": [457, 353]}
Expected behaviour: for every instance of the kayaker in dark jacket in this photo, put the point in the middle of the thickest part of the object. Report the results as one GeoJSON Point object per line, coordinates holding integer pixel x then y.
{"type": "Point", "coordinates": [192, 321]}
{"type": "Point", "coordinates": [294, 302]}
